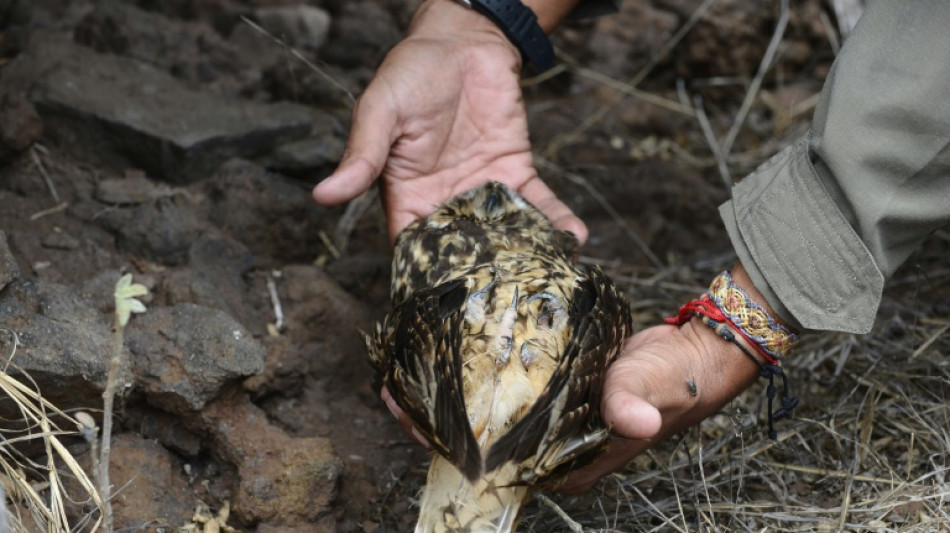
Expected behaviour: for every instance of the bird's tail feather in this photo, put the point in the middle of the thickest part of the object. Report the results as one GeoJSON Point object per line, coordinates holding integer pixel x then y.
{"type": "Point", "coordinates": [452, 504]}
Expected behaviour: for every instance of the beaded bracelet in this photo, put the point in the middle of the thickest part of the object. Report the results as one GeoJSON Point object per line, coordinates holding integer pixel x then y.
{"type": "Point", "coordinates": [756, 324]}
{"type": "Point", "coordinates": [767, 371]}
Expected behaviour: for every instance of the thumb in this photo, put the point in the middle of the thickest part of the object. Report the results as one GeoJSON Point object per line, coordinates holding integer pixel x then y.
{"type": "Point", "coordinates": [630, 416]}
{"type": "Point", "coordinates": [634, 378]}
{"type": "Point", "coordinates": [371, 136]}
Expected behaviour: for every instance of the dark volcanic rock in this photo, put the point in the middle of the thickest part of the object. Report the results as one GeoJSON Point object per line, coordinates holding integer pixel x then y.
{"type": "Point", "coordinates": [308, 157]}
{"type": "Point", "coordinates": [161, 231]}
{"type": "Point", "coordinates": [163, 427]}
{"type": "Point", "coordinates": [135, 189]}
{"type": "Point", "coordinates": [190, 50]}
{"type": "Point", "coordinates": [284, 371]}
{"type": "Point", "coordinates": [183, 356]}
{"type": "Point", "coordinates": [369, 29]}
{"type": "Point", "coordinates": [268, 213]}
{"type": "Point", "coordinates": [283, 480]}
{"type": "Point", "coordinates": [317, 308]}
{"type": "Point", "coordinates": [215, 278]}
{"type": "Point", "coordinates": [60, 240]}
{"type": "Point", "coordinates": [9, 270]}
{"type": "Point", "coordinates": [300, 25]}
{"type": "Point", "coordinates": [129, 114]}
{"type": "Point", "coordinates": [154, 488]}
{"type": "Point", "coordinates": [64, 341]}
{"type": "Point", "coordinates": [20, 125]}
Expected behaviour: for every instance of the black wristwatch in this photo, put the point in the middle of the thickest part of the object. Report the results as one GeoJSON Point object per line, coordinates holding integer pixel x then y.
{"type": "Point", "coordinates": [520, 25]}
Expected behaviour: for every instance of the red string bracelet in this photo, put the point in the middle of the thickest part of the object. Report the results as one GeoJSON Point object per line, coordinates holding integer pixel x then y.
{"type": "Point", "coordinates": [704, 306]}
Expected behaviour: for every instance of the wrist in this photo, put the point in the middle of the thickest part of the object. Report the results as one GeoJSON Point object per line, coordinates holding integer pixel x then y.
{"type": "Point", "coordinates": [450, 17]}
{"type": "Point", "coordinates": [732, 321]}
{"type": "Point", "coordinates": [551, 14]}
{"type": "Point", "coordinates": [738, 317]}
{"type": "Point", "coordinates": [522, 23]}
{"type": "Point", "coordinates": [727, 371]}
{"type": "Point", "coordinates": [742, 280]}
{"type": "Point", "coordinates": [450, 20]}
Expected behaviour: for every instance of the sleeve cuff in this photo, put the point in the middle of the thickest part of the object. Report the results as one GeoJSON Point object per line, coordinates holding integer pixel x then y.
{"type": "Point", "coordinates": [799, 249]}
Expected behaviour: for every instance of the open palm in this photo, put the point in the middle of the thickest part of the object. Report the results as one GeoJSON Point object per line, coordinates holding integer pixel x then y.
{"type": "Point", "coordinates": [441, 116]}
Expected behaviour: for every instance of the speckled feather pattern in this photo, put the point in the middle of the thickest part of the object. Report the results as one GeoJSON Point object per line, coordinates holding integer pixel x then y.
{"type": "Point", "coordinates": [496, 347]}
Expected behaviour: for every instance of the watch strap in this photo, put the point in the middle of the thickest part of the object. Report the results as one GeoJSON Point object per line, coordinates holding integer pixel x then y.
{"type": "Point", "coordinates": [520, 25]}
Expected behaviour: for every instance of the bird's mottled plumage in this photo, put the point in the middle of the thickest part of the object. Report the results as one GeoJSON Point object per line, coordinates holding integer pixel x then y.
{"type": "Point", "coordinates": [496, 347]}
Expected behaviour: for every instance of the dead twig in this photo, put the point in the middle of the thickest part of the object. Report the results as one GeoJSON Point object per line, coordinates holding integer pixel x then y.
{"type": "Point", "coordinates": [753, 91]}
{"type": "Point", "coordinates": [630, 90]}
{"type": "Point", "coordinates": [55, 209]}
{"type": "Point", "coordinates": [35, 152]}
{"type": "Point", "coordinates": [710, 137]}
{"type": "Point", "coordinates": [355, 210]}
{"type": "Point", "coordinates": [294, 52]}
{"type": "Point", "coordinates": [568, 521]}
{"type": "Point", "coordinates": [929, 342]}
{"type": "Point", "coordinates": [275, 328]}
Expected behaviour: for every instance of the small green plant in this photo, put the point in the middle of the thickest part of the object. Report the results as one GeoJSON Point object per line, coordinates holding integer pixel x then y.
{"type": "Point", "coordinates": [126, 303]}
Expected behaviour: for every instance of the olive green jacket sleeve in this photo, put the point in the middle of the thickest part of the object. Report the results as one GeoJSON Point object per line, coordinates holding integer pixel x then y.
{"type": "Point", "coordinates": [822, 224]}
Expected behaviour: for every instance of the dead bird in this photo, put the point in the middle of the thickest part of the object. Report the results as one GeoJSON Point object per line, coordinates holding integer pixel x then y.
{"type": "Point", "coordinates": [497, 348]}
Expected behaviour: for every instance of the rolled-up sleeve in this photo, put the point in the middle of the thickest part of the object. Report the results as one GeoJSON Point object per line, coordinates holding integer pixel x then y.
{"type": "Point", "coordinates": [821, 225]}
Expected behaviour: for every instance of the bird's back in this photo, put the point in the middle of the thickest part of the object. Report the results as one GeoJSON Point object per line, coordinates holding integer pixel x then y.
{"type": "Point", "coordinates": [496, 348]}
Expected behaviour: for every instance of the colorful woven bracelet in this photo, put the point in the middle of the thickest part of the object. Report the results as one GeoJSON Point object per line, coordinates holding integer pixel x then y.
{"type": "Point", "coordinates": [727, 302]}
{"type": "Point", "coordinates": [774, 340]}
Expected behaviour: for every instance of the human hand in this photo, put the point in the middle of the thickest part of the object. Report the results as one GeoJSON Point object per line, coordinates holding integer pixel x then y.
{"type": "Point", "coordinates": [443, 114]}
{"type": "Point", "coordinates": [667, 379]}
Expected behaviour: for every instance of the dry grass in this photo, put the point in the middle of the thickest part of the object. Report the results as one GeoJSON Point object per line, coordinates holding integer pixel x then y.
{"type": "Point", "coordinates": [36, 485]}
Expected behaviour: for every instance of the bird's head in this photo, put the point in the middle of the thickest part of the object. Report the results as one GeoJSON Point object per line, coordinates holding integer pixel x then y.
{"type": "Point", "coordinates": [472, 229]}
{"type": "Point", "coordinates": [489, 205]}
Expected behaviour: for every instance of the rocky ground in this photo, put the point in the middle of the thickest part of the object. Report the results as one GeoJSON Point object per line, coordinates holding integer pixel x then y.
{"type": "Point", "coordinates": [174, 141]}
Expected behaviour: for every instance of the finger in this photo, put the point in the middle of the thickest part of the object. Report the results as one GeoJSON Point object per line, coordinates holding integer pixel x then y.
{"type": "Point", "coordinates": [371, 137]}
{"type": "Point", "coordinates": [618, 454]}
{"type": "Point", "coordinates": [390, 402]}
{"type": "Point", "coordinates": [630, 391]}
{"type": "Point", "coordinates": [542, 197]}
{"type": "Point", "coordinates": [403, 420]}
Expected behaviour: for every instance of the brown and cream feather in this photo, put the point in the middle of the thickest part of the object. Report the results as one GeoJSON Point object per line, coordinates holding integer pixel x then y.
{"type": "Point", "coordinates": [496, 348]}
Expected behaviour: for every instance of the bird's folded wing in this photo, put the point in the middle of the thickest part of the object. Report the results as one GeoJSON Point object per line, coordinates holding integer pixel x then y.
{"type": "Point", "coordinates": [563, 427]}
{"type": "Point", "coordinates": [421, 364]}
